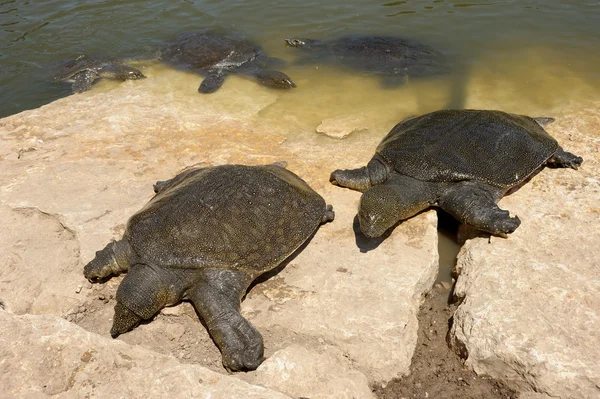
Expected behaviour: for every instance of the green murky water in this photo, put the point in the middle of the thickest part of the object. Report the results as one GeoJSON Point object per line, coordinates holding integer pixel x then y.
{"type": "Point", "coordinates": [529, 56]}
{"type": "Point", "coordinates": [548, 48]}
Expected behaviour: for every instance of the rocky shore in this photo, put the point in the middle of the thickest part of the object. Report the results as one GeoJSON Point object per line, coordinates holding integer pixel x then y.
{"type": "Point", "coordinates": [338, 318]}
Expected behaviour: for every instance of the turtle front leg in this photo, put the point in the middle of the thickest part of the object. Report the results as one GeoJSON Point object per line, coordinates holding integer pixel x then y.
{"type": "Point", "coordinates": [212, 82]}
{"type": "Point", "coordinates": [476, 204]}
{"type": "Point", "coordinates": [83, 81]}
{"type": "Point", "coordinates": [564, 159]}
{"type": "Point", "coordinates": [217, 299]}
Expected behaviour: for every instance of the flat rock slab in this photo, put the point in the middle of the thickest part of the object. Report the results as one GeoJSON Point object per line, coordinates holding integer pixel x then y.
{"type": "Point", "coordinates": [341, 126]}
{"type": "Point", "coordinates": [80, 166]}
{"type": "Point", "coordinates": [320, 373]}
{"type": "Point", "coordinates": [357, 297]}
{"type": "Point", "coordinates": [46, 356]}
{"type": "Point", "coordinates": [531, 303]}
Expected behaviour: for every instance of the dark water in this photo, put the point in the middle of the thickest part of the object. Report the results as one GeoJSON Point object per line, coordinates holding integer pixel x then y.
{"type": "Point", "coordinates": [544, 45]}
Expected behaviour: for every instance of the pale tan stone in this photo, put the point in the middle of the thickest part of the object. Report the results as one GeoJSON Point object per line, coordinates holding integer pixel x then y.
{"type": "Point", "coordinates": [320, 373]}
{"type": "Point", "coordinates": [531, 310]}
{"type": "Point", "coordinates": [90, 161]}
{"type": "Point", "coordinates": [46, 356]}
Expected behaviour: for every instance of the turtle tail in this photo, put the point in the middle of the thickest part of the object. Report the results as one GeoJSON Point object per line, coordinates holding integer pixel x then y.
{"type": "Point", "coordinates": [114, 259]}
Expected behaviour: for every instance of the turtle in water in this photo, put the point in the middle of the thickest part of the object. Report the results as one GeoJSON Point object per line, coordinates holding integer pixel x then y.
{"type": "Point", "coordinates": [462, 161]}
{"type": "Point", "coordinates": [215, 55]}
{"type": "Point", "coordinates": [204, 237]}
{"type": "Point", "coordinates": [394, 58]}
{"type": "Point", "coordinates": [83, 71]}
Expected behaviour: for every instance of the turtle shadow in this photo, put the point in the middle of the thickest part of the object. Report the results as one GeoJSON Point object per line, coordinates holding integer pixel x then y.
{"type": "Point", "coordinates": [364, 243]}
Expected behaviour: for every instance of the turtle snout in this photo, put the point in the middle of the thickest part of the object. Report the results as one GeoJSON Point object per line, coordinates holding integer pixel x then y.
{"type": "Point", "coordinates": [284, 82]}
{"type": "Point", "coordinates": [287, 83]}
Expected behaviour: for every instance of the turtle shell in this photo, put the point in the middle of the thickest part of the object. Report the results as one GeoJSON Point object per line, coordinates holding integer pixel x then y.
{"type": "Point", "coordinates": [380, 54]}
{"type": "Point", "coordinates": [205, 50]}
{"type": "Point", "coordinates": [82, 63]}
{"type": "Point", "coordinates": [498, 148]}
{"type": "Point", "coordinates": [247, 218]}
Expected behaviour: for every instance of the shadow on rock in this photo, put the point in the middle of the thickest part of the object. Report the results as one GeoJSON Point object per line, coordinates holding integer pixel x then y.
{"type": "Point", "coordinates": [365, 243]}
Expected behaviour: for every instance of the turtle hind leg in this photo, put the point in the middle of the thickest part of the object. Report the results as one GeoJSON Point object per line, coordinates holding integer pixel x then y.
{"type": "Point", "coordinates": [212, 82]}
{"type": "Point", "coordinates": [564, 159]}
{"type": "Point", "coordinates": [475, 204]}
{"type": "Point", "coordinates": [83, 81]}
{"type": "Point", "coordinates": [114, 259]}
{"type": "Point", "coordinates": [217, 299]}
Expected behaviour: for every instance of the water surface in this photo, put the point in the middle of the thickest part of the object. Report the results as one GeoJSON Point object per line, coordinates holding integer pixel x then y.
{"type": "Point", "coordinates": [550, 48]}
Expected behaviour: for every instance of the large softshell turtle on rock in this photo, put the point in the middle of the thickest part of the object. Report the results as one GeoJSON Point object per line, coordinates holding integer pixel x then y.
{"type": "Point", "coordinates": [463, 161]}
{"type": "Point", "coordinates": [394, 58]}
{"type": "Point", "coordinates": [215, 55]}
{"type": "Point", "coordinates": [204, 237]}
{"type": "Point", "coordinates": [83, 71]}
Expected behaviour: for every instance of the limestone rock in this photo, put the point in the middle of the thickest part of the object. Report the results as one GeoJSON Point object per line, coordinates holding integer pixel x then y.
{"type": "Point", "coordinates": [303, 372]}
{"type": "Point", "coordinates": [89, 161]}
{"type": "Point", "coordinates": [47, 356]}
{"type": "Point", "coordinates": [340, 127]}
{"type": "Point", "coordinates": [39, 262]}
{"type": "Point", "coordinates": [360, 295]}
{"type": "Point", "coordinates": [531, 310]}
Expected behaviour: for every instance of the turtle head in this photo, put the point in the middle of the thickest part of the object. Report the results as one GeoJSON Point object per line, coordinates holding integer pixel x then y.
{"type": "Point", "coordinates": [121, 72]}
{"type": "Point", "coordinates": [274, 79]}
{"type": "Point", "coordinates": [133, 74]}
{"type": "Point", "coordinates": [300, 42]}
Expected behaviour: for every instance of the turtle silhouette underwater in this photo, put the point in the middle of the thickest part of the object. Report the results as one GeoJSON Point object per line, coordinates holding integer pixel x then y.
{"type": "Point", "coordinates": [462, 161]}
{"type": "Point", "coordinates": [83, 71]}
{"type": "Point", "coordinates": [395, 59]}
{"type": "Point", "coordinates": [204, 237]}
{"type": "Point", "coordinates": [216, 55]}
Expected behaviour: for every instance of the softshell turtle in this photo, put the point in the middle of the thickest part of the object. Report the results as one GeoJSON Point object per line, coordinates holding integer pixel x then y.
{"type": "Point", "coordinates": [204, 237]}
{"type": "Point", "coordinates": [83, 71]}
{"type": "Point", "coordinates": [394, 58]}
{"type": "Point", "coordinates": [462, 161]}
{"type": "Point", "coordinates": [215, 55]}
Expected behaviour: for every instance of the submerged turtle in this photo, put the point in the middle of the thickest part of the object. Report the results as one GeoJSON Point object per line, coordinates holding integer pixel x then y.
{"type": "Point", "coordinates": [215, 55]}
{"type": "Point", "coordinates": [462, 161]}
{"type": "Point", "coordinates": [83, 71]}
{"type": "Point", "coordinates": [204, 237]}
{"type": "Point", "coordinates": [394, 58]}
